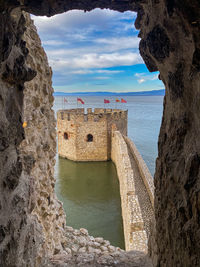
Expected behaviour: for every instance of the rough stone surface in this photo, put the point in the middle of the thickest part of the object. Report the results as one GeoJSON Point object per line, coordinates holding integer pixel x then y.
{"type": "Point", "coordinates": [177, 177]}
{"type": "Point", "coordinates": [39, 145]}
{"type": "Point", "coordinates": [74, 127]}
{"type": "Point", "coordinates": [137, 209]}
{"type": "Point", "coordinates": [81, 249]}
{"type": "Point", "coordinates": [177, 186]}
{"type": "Point", "coordinates": [143, 170]}
{"type": "Point", "coordinates": [20, 233]}
{"type": "Point", "coordinates": [94, 259]}
{"type": "Point", "coordinates": [31, 218]}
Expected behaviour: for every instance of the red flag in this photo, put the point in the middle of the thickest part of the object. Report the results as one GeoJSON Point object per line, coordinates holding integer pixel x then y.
{"type": "Point", "coordinates": [123, 100]}
{"type": "Point", "coordinates": [106, 101]}
{"type": "Point", "coordinates": [80, 100]}
{"type": "Point", "coordinates": [117, 100]}
{"type": "Point", "coordinates": [65, 100]}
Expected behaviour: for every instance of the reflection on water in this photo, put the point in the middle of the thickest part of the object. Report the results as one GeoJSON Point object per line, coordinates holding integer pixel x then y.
{"type": "Point", "coordinates": [90, 195]}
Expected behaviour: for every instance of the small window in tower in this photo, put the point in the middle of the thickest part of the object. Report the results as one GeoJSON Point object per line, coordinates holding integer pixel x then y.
{"type": "Point", "coordinates": [89, 138]}
{"type": "Point", "coordinates": [66, 137]}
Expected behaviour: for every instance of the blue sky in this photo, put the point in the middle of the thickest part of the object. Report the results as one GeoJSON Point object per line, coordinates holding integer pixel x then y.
{"type": "Point", "coordinates": [95, 51]}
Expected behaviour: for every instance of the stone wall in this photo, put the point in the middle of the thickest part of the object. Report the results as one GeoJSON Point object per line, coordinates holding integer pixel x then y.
{"type": "Point", "coordinates": [171, 44]}
{"type": "Point", "coordinates": [146, 186]}
{"type": "Point", "coordinates": [31, 218]}
{"type": "Point", "coordinates": [118, 124]}
{"type": "Point", "coordinates": [76, 126]}
{"type": "Point", "coordinates": [20, 233]}
{"type": "Point", "coordinates": [143, 169]}
{"type": "Point", "coordinates": [135, 234]}
{"type": "Point", "coordinates": [39, 145]}
{"type": "Point", "coordinates": [66, 148]}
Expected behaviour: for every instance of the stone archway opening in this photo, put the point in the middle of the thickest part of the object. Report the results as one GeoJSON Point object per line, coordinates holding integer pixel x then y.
{"type": "Point", "coordinates": [119, 236]}
{"type": "Point", "coordinates": [169, 43]}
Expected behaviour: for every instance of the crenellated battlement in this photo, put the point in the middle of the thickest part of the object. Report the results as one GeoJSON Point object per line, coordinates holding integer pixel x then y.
{"type": "Point", "coordinates": [86, 135]}
{"type": "Point", "coordinates": [99, 114]}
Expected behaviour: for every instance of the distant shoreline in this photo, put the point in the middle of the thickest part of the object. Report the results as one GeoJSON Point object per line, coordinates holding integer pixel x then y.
{"type": "Point", "coordinates": [142, 93]}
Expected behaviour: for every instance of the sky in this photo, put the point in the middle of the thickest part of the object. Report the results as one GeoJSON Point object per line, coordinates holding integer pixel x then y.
{"type": "Point", "coordinates": [95, 51]}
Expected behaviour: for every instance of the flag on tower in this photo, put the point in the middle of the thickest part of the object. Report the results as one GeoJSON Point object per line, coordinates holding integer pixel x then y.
{"type": "Point", "coordinates": [123, 100]}
{"type": "Point", "coordinates": [106, 101]}
{"type": "Point", "coordinates": [80, 100]}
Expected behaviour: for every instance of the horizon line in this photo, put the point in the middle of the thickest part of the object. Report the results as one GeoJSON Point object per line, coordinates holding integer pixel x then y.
{"type": "Point", "coordinates": [83, 92]}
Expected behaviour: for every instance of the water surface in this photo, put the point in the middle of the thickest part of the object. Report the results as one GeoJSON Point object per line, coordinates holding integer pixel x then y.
{"type": "Point", "coordinates": [90, 195]}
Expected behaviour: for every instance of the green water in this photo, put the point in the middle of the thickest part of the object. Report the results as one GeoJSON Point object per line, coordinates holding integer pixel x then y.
{"type": "Point", "coordinates": [90, 195]}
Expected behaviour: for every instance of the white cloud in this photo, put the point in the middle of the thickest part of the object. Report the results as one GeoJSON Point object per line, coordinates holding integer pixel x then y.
{"type": "Point", "coordinates": [83, 46]}
{"type": "Point", "coordinates": [102, 78]}
{"type": "Point", "coordinates": [53, 43]}
{"type": "Point", "coordinates": [78, 19]}
{"type": "Point", "coordinates": [142, 77]}
{"type": "Point", "coordinates": [98, 45]}
{"type": "Point", "coordinates": [89, 71]}
{"type": "Point", "coordinates": [110, 71]}
{"type": "Point", "coordinates": [139, 74]}
{"type": "Point", "coordinates": [155, 77]}
{"type": "Point", "coordinates": [81, 72]}
{"type": "Point", "coordinates": [94, 60]}
{"type": "Point", "coordinates": [104, 53]}
{"type": "Point", "coordinates": [141, 80]}
{"type": "Point", "coordinates": [79, 42]}
{"type": "Point", "coordinates": [128, 42]}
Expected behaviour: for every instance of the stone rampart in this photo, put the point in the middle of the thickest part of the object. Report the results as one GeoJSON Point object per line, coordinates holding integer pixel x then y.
{"type": "Point", "coordinates": [143, 169]}
{"type": "Point", "coordinates": [145, 194]}
{"type": "Point", "coordinates": [79, 115]}
{"type": "Point", "coordinates": [134, 231]}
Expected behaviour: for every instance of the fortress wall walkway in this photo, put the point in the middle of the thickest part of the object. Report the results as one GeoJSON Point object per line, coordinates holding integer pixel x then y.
{"type": "Point", "coordinates": [136, 190]}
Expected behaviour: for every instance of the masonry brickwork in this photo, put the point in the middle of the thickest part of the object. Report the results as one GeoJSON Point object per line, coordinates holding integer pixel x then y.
{"type": "Point", "coordinates": [136, 191]}
{"type": "Point", "coordinates": [87, 137]}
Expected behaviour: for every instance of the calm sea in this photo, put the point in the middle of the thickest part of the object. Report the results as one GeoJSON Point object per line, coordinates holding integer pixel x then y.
{"type": "Point", "coordinates": [90, 191]}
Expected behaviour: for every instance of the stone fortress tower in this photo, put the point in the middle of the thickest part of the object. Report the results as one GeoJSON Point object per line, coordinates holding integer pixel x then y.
{"type": "Point", "coordinates": [87, 137]}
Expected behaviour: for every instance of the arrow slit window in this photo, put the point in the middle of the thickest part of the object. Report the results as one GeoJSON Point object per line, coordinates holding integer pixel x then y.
{"type": "Point", "coordinates": [89, 138]}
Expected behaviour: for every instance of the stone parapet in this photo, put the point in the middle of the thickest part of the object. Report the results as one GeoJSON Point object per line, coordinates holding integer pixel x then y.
{"type": "Point", "coordinates": [98, 114]}
{"type": "Point", "coordinates": [143, 169]}
{"type": "Point", "coordinates": [134, 230]}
